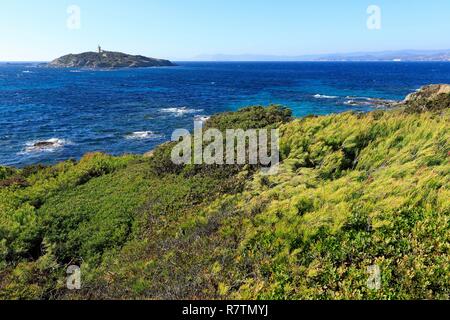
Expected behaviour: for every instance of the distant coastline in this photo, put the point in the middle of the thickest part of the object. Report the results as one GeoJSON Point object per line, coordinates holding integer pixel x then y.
{"type": "Point", "coordinates": [384, 56]}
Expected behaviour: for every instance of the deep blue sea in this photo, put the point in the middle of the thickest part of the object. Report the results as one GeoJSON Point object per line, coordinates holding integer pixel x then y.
{"type": "Point", "coordinates": [132, 111]}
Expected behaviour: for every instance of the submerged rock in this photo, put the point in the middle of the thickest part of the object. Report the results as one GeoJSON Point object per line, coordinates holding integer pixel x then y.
{"type": "Point", "coordinates": [44, 144]}
{"type": "Point", "coordinates": [369, 102]}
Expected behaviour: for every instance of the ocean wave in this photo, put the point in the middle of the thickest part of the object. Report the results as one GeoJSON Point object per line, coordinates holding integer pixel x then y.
{"type": "Point", "coordinates": [358, 98]}
{"type": "Point", "coordinates": [323, 96]}
{"type": "Point", "coordinates": [49, 145]}
{"type": "Point", "coordinates": [180, 111]}
{"type": "Point", "coordinates": [27, 71]}
{"type": "Point", "coordinates": [353, 102]}
{"type": "Point", "coordinates": [142, 135]}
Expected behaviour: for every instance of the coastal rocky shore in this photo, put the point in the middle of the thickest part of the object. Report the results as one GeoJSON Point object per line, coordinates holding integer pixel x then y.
{"type": "Point", "coordinates": [422, 97]}
{"type": "Point", "coordinates": [433, 97]}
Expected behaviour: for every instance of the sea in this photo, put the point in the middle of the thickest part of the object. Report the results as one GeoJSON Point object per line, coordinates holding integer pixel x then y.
{"type": "Point", "coordinates": [75, 111]}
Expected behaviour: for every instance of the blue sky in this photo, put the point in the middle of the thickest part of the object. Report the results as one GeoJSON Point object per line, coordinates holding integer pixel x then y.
{"type": "Point", "coordinates": [180, 29]}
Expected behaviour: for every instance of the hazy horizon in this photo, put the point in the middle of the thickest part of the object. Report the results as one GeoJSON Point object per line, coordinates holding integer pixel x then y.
{"type": "Point", "coordinates": [263, 57]}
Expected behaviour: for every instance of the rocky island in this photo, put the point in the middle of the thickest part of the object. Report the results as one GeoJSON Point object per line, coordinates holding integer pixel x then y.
{"type": "Point", "coordinates": [107, 60]}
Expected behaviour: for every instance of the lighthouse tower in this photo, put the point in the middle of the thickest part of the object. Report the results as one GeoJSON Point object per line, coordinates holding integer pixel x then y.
{"type": "Point", "coordinates": [100, 49]}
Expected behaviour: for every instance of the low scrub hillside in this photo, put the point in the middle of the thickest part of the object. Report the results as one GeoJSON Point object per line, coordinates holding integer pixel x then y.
{"type": "Point", "coordinates": [354, 192]}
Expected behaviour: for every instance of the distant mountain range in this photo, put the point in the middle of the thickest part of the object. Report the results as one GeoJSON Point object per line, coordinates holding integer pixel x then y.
{"type": "Point", "coordinates": [403, 55]}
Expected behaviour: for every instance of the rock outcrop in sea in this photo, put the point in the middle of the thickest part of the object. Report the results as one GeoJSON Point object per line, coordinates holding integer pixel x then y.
{"type": "Point", "coordinates": [107, 60]}
{"type": "Point", "coordinates": [435, 97]}
{"type": "Point", "coordinates": [429, 92]}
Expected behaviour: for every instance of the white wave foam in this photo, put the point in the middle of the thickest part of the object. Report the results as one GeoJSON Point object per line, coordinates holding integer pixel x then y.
{"type": "Point", "coordinates": [357, 102]}
{"type": "Point", "coordinates": [323, 96]}
{"type": "Point", "coordinates": [142, 135]}
{"type": "Point", "coordinates": [351, 102]}
{"type": "Point", "coordinates": [180, 111]}
{"type": "Point", "coordinates": [359, 98]}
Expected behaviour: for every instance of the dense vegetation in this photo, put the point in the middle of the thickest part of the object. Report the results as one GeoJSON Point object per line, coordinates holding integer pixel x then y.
{"type": "Point", "coordinates": [353, 190]}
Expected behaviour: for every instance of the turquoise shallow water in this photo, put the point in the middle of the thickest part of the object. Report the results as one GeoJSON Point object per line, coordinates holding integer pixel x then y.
{"type": "Point", "coordinates": [132, 111]}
